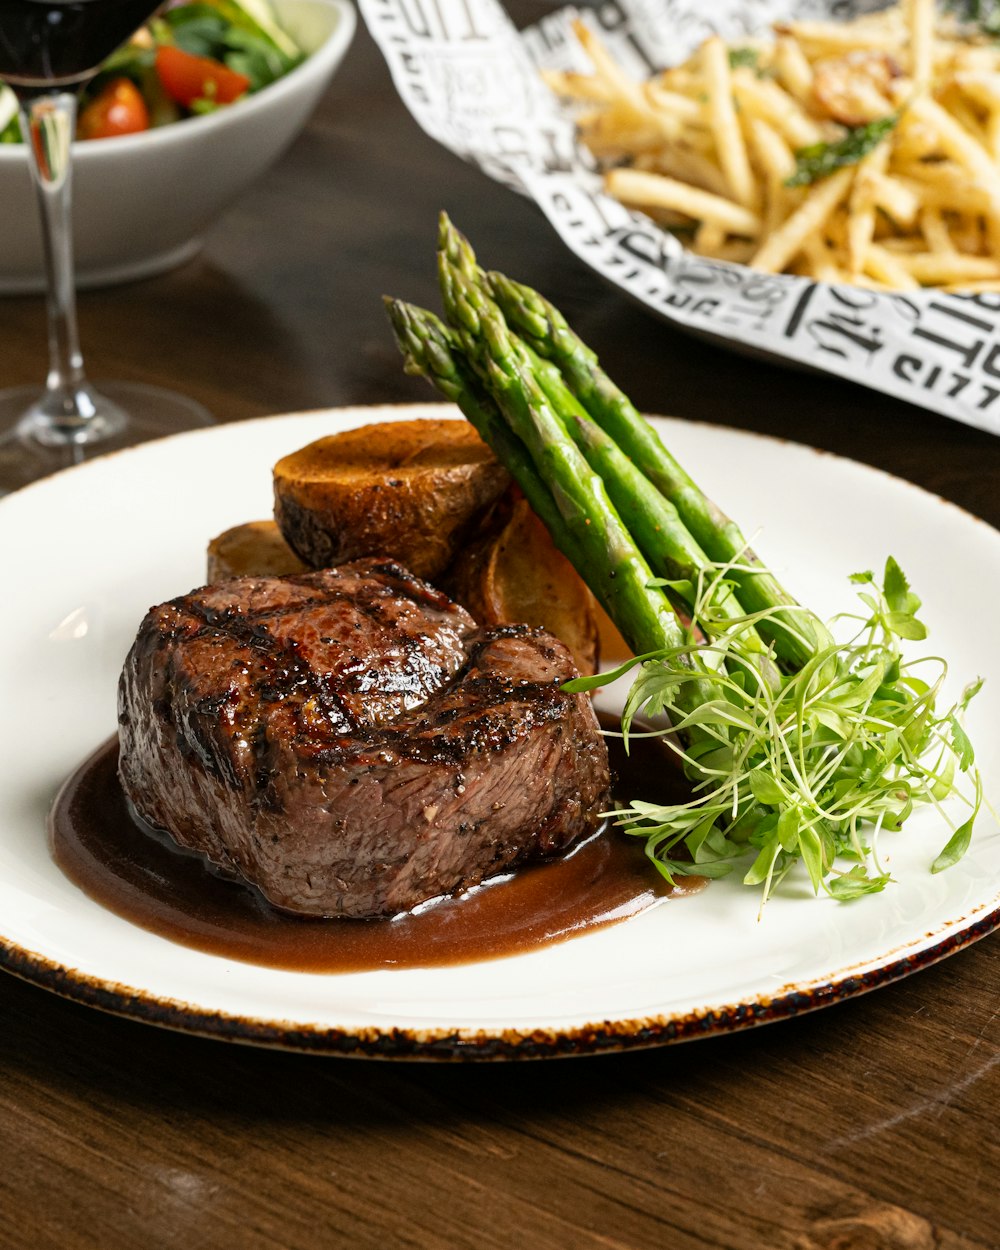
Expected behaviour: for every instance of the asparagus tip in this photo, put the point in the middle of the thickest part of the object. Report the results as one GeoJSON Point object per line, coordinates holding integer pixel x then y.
{"type": "Point", "coordinates": [455, 247]}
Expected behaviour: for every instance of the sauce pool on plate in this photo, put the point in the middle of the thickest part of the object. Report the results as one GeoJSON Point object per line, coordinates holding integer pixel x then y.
{"type": "Point", "coordinates": [145, 878]}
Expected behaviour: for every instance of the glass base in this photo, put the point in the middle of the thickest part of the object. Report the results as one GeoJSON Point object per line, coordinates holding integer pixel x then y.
{"type": "Point", "coordinates": [30, 448]}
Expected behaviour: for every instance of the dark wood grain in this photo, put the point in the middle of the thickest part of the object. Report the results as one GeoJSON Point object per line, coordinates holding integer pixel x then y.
{"type": "Point", "coordinates": [871, 1125]}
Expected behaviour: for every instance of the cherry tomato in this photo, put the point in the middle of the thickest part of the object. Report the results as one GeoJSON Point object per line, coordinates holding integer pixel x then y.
{"type": "Point", "coordinates": [118, 109]}
{"type": "Point", "coordinates": [187, 78]}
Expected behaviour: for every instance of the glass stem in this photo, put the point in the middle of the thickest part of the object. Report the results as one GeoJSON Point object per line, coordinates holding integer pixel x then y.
{"type": "Point", "coordinates": [70, 411]}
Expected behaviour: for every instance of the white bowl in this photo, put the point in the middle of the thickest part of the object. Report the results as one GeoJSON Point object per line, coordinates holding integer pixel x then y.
{"type": "Point", "coordinates": [141, 201]}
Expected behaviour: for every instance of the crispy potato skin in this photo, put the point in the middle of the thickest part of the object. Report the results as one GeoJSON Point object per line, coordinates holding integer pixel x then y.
{"type": "Point", "coordinates": [254, 549]}
{"type": "Point", "coordinates": [431, 495]}
{"type": "Point", "coordinates": [423, 484]}
{"type": "Point", "coordinates": [514, 572]}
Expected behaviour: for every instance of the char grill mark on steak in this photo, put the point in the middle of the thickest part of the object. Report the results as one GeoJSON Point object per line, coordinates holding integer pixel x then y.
{"type": "Point", "coordinates": [473, 696]}
{"type": "Point", "coordinates": [346, 741]}
{"type": "Point", "coordinates": [345, 696]}
{"type": "Point", "coordinates": [289, 674]}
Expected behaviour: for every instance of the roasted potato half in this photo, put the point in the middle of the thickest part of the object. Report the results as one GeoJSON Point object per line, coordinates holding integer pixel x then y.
{"type": "Point", "coordinates": [514, 573]}
{"type": "Point", "coordinates": [255, 549]}
{"type": "Point", "coordinates": [414, 490]}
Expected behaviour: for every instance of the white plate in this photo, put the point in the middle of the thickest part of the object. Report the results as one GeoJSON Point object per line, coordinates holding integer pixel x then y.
{"type": "Point", "coordinates": [85, 553]}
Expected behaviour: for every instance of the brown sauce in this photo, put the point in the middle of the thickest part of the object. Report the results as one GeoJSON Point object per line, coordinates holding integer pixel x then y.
{"type": "Point", "coordinates": [147, 880]}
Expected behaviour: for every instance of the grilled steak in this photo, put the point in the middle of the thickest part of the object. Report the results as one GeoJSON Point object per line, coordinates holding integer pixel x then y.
{"type": "Point", "coordinates": [350, 742]}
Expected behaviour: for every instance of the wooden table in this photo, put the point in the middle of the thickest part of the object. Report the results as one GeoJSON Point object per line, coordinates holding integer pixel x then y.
{"type": "Point", "coordinates": [871, 1124]}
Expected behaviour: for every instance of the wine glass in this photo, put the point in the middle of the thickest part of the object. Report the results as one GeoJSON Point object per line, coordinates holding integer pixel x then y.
{"type": "Point", "coordinates": [49, 49]}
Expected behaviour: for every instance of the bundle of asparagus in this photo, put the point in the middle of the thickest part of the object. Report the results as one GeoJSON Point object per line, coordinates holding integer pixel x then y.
{"type": "Point", "coordinates": [794, 744]}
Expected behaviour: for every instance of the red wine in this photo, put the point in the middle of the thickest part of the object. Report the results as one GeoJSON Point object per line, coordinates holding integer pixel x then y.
{"type": "Point", "coordinates": [46, 43]}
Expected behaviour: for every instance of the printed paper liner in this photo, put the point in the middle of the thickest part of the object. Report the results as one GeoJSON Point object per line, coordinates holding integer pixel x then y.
{"type": "Point", "coordinates": [471, 80]}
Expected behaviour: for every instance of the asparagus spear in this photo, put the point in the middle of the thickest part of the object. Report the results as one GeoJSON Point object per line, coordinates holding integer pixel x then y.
{"type": "Point", "coordinates": [796, 633]}
{"type": "Point", "coordinates": [430, 350]}
{"type": "Point", "coordinates": [618, 574]}
{"type": "Point", "coordinates": [651, 519]}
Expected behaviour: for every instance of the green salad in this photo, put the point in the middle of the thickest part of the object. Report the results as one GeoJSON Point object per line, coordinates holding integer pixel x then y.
{"type": "Point", "coordinates": [189, 59]}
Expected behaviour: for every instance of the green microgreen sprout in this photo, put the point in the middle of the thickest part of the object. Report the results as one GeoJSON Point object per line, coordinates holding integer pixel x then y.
{"type": "Point", "coordinates": [813, 770]}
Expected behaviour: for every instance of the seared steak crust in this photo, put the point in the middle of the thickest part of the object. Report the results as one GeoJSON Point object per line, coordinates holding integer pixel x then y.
{"type": "Point", "coordinates": [350, 742]}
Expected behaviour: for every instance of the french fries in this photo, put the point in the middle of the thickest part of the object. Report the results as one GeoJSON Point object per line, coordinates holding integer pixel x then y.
{"type": "Point", "coordinates": [864, 151]}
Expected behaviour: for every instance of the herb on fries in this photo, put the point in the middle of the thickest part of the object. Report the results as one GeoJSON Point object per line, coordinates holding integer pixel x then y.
{"type": "Point", "coordinates": [821, 159]}
{"type": "Point", "coordinates": [865, 151]}
{"type": "Point", "coordinates": [984, 13]}
{"type": "Point", "coordinates": [750, 57]}
{"type": "Point", "coordinates": [798, 747]}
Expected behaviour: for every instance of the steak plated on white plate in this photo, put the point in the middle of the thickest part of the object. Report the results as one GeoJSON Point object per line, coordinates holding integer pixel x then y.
{"type": "Point", "coordinates": [350, 741]}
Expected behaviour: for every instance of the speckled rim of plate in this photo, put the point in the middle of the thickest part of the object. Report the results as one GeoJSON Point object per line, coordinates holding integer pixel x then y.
{"type": "Point", "coordinates": [918, 950]}
{"type": "Point", "coordinates": [600, 1037]}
